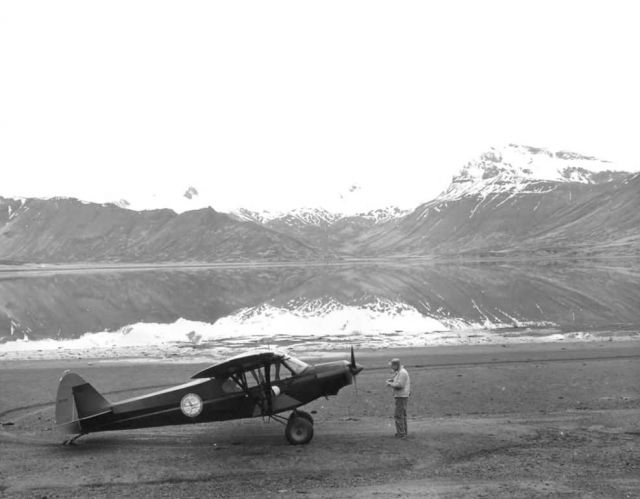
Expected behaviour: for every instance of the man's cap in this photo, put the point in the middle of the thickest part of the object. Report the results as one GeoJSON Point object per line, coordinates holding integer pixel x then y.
{"type": "Point", "coordinates": [394, 361]}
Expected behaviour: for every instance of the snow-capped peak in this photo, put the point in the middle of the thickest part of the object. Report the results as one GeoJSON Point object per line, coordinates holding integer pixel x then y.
{"type": "Point", "coordinates": [122, 203]}
{"type": "Point", "coordinates": [317, 216]}
{"type": "Point", "coordinates": [314, 216]}
{"type": "Point", "coordinates": [516, 168]}
{"type": "Point", "coordinates": [382, 215]}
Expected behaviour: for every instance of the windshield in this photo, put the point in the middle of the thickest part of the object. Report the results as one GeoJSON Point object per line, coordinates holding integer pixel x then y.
{"type": "Point", "coordinates": [296, 365]}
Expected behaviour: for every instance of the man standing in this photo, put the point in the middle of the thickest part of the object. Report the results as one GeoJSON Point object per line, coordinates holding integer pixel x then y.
{"type": "Point", "coordinates": [401, 385]}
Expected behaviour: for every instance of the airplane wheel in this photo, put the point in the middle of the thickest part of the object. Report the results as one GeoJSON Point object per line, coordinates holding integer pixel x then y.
{"type": "Point", "coordinates": [299, 430]}
{"type": "Point", "coordinates": [305, 415]}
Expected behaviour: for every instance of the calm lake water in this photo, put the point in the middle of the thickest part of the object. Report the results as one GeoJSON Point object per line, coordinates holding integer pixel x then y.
{"type": "Point", "coordinates": [371, 305]}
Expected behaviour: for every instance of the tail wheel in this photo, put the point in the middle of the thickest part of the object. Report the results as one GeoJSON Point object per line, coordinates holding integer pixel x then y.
{"type": "Point", "coordinates": [299, 430]}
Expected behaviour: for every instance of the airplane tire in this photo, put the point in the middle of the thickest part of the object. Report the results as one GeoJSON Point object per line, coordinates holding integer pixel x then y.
{"type": "Point", "coordinates": [305, 415]}
{"type": "Point", "coordinates": [299, 430]}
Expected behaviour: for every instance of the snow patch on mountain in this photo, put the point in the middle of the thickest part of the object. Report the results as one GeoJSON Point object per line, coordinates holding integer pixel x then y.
{"type": "Point", "coordinates": [311, 216]}
{"type": "Point", "coordinates": [122, 203]}
{"type": "Point", "coordinates": [382, 215]}
{"type": "Point", "coordinates": [317, 216]}
{"type": "Point", "coordinates": [12, 211]}
{"type": "Point", "coordinates": [191, 192]}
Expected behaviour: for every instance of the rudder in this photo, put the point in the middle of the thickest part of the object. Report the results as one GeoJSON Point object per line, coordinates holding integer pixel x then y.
{"type": "Point", "coordinates": [76, 399]}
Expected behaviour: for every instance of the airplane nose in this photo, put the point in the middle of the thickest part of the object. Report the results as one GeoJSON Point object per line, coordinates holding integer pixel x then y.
{"type": "Point", "coordinates": [355, 369]}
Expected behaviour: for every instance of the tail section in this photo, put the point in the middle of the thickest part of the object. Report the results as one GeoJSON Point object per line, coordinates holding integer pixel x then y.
{"type": "Point", "coordinates": [77, 400]}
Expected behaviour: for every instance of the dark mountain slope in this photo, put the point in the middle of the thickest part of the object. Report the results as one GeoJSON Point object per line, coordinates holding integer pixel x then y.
{"type": "Point", "coordinates": [67, 230]}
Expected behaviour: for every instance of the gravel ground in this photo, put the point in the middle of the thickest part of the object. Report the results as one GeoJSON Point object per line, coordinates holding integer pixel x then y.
{"type": "Point", "coordinates": [546, 421]}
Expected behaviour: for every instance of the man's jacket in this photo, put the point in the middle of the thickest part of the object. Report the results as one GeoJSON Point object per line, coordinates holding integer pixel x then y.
{"type": "Point", "coordinates": [401, 383]}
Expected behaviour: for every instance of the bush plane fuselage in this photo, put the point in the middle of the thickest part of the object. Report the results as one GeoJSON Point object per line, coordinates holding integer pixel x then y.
{"type": "Point", "coordinates": [259, 384]}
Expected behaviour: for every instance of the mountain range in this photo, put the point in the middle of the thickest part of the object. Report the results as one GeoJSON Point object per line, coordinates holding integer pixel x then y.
{"type": "Point", "coordinates": [510, 201]}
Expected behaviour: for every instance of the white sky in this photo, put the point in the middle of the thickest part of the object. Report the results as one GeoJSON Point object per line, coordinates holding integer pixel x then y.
{"type": "Point", "coordinates": [281, 104]}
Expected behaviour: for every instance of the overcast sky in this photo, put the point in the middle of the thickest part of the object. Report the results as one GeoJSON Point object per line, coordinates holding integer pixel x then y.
{"type": "Point", "coordinates": [282, 104]}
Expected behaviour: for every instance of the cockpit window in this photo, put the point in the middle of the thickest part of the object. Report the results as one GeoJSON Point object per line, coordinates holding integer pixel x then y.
{"type": "Point", "coordinates": [230, 386]}
{"type": "Point", "coordinates": [282, 371]}
{"type": "Point", "coordinates": [296, 365]}
{"type": "Point", "coordinates": [255, 377]}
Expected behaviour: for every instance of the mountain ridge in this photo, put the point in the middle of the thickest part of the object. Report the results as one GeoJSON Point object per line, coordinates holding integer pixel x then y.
{"type": "Point", "coordinates": [64, 230]}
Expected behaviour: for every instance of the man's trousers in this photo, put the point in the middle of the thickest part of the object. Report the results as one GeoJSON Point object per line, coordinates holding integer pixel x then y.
{"type": "Point", "coordinates": [401, 416]}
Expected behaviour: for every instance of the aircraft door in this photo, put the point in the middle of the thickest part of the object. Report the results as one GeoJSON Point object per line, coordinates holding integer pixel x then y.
{"type": "Point", "coordinates": [259, 389]}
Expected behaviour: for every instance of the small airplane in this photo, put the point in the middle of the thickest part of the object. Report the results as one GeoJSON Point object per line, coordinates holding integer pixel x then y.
{"type": "Point", "coordinates": [255, 384]}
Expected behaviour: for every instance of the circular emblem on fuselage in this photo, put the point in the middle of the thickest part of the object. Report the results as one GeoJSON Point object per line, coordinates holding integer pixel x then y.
{"type": "Point", "coordinates": [191, 405]}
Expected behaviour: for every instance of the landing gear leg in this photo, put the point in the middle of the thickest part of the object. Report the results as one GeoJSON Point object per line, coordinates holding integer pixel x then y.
{"type": "Point", "coordinates": [72, 440]}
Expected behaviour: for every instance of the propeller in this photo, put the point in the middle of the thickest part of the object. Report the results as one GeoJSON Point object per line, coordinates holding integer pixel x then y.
{"type": "Point", "coordinates": [354, 369]}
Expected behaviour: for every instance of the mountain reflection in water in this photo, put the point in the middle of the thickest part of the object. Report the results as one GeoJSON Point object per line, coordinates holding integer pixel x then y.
{"type": "Point", "coordinates": [569, 297]}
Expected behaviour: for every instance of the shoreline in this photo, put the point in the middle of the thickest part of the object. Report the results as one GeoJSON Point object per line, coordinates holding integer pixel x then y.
{"type": "Point", "coordinates": [25, 269]}
{"type": "Point", "coordinates": [438, 355]}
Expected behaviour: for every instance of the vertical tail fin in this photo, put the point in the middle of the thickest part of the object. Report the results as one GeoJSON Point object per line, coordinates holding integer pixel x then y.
{"type": "Point", "coordinates": [77, 399]}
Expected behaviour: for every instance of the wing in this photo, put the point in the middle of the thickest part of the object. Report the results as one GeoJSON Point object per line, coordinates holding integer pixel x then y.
{"type": "Point", "coordinates": [240, 363]}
